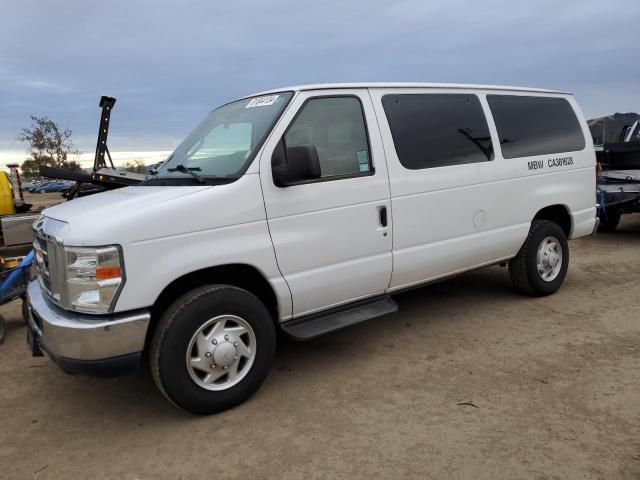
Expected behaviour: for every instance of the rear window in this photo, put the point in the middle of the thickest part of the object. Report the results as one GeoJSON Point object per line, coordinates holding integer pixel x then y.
{"type": "Point", "coordinates": [529, 126]}
{"type": "Point", "coordinates": [437, 130]}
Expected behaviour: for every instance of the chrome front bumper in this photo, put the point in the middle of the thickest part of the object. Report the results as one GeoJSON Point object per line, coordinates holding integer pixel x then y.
{"type": "Point", "coordinates": [81, 342]}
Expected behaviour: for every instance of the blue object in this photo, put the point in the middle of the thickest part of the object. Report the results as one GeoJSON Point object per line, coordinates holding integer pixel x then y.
{"type": "Point", "coordinates": [15, 281]}
{"type": "Point", "coordinates": [602, 208]}
{"type": "Point", "coordinates": [27, 261]}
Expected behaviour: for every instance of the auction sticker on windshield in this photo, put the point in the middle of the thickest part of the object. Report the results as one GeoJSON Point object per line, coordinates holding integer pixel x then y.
{"type": "Point", "coordinates": [262, 101]}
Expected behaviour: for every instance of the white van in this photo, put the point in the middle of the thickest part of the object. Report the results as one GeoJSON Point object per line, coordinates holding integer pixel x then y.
{"type": "Point", "coordinates": [303, 209]}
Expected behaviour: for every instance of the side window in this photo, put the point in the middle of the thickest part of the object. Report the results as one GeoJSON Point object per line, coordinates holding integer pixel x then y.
{"type": "Point", "coordinates": [530, 126]}
{"type": "Point", "coordinates": [336, 127]}
{"type": "Point", "coordinates": [437, 130]}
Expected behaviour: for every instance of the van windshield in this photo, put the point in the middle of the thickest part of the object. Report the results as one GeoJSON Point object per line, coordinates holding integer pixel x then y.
{"type": "Point", "coordinates": [224, 144]}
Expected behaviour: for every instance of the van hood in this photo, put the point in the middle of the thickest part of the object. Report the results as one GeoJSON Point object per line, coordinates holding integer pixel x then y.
{"type": "Point", "coordinates": [142, 213]}
{"type": "Point", "coordinates": [120, 200]}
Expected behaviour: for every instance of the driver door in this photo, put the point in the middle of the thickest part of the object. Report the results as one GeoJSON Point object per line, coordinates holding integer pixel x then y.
{"type": "Point", "coordinates": [332, 236]}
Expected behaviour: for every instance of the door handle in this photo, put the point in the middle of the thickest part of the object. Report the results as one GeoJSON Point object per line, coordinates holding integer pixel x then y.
{"type": "Point", "coordinates": [383, 215]}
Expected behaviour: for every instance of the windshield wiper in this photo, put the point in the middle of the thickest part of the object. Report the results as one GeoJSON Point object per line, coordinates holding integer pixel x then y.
{"type": "Point", "coordinates": [182, 169]}
{"type": "Point", "coordinates": [152, 175]}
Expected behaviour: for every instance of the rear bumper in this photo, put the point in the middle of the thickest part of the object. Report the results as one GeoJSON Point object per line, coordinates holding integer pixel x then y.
{"type": "Point", "coordinates": [93, 345]}
{"type": "Point", "coordinates": [584, 222]}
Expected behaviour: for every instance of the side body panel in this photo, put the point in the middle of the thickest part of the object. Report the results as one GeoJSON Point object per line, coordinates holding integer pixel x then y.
{"type": "Point", "coordinates": [163, 240]}
{"type": "Point", "coordinates": [456, 218]}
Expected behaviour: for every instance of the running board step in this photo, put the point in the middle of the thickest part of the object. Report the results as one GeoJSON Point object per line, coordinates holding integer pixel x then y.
{"type": "Point", "coordinates": [313, 325]}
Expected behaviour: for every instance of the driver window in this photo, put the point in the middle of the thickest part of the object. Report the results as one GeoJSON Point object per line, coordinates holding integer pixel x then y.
{"type": "Point", "coordinates": [336, 127]}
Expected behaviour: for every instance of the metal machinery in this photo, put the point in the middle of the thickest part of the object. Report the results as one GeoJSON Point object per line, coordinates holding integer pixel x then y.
{"type": "Point", "coordinates": [619, 177]}
{"type": "Point", "coordinates": [103, 175]}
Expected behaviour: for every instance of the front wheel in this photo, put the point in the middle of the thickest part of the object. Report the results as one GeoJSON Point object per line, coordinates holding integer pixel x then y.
{"type": "Point", "coordinates": [212, 348]}
{"type": "Point", "coordinates": [541, 265]}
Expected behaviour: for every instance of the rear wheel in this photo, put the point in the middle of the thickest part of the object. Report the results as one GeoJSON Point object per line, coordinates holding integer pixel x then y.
{"type": "Point", "coordinates": [212, 349]}
{"type": "Point", "coordinates": [541, 265]}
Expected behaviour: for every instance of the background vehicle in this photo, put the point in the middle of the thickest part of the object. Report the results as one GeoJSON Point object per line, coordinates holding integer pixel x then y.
{"type": "Point", "coordinates": [304, 209]}
{"type": "Point", "coordinates": [38, 186]}
{"type": "Point", "coordinates": [84, 190]}
{"type": "Point", "coordinates": [619, 179]}
{"type": "Point", "coordinates": [53, 187]}
{"type": "Point", "coordinates": [15, 224]}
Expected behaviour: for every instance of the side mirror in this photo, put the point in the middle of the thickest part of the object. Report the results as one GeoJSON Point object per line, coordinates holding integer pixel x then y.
{"type": "Point", "coordinates": [297, 164]}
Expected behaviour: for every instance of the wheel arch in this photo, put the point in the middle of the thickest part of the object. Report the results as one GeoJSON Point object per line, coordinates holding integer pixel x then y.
{"type": "Point", "coordinates": [559, 214]}
{"type": "Point", "coordinates": [238, 275]}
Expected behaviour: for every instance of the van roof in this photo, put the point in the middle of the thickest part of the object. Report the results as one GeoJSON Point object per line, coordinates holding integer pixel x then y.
{"type": "Point", "coordinates": [327, 86]}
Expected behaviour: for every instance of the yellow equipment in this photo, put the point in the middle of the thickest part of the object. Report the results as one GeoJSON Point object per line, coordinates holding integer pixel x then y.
{"type": "Point", "coordinates": [7, 202]}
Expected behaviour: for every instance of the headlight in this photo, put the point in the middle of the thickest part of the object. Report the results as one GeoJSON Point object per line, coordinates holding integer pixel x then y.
{"type": "Point", "coordinates": [93, 278]}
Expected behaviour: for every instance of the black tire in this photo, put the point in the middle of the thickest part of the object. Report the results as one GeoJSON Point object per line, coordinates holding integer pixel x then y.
{"type": "Point", "coordinates": [609, 221]}
{"type": "Point", "coordinates": [173, 334]}
{"type": "Point", "coordinates": [25, 311]}
{"type": "Point", "coordinates": [523, 268]}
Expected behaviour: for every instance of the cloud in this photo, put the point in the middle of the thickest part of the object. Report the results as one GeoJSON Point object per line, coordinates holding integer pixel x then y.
{"type": "Point", "coordinates": [42, 85]}
{"type": "Point", "coordinates": [169, 63]}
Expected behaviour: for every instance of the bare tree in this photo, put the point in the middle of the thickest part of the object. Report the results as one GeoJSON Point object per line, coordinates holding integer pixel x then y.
{"type": "Point", "coordinates": [136, 165]}
{"type": "Point", "coordinates": [47, 145]}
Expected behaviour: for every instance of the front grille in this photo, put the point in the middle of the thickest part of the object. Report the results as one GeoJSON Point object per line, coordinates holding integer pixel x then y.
{"type": "Point", "coordinates": [36, 319]}
{"type": "Point", "coordinates": [42, 259]}
{"type": "Point", "coordinates": [49, 253]}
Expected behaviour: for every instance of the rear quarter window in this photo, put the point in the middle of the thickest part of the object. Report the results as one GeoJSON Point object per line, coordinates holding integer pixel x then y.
{"type": "Point", "coordinates": [529, 126]}
{"type": "Point", "coordinates": [437, 130]}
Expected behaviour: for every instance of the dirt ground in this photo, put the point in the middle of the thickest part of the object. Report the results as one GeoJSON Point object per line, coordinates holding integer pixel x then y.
{"type": "Point", "coordinates": [468, 381]}
{"type": "Point", "coordinates": [40, 201]}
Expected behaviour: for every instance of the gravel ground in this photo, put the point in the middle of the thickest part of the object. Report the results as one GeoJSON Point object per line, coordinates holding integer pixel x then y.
{"type": "Point", "coordinates": [468, 380]}
{"type": "Point", "coordinates": [40, 201]}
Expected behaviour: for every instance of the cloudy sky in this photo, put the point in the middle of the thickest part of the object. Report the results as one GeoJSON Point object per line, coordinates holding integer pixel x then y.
{"type": "Point", "coordinates": [169, 62]}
